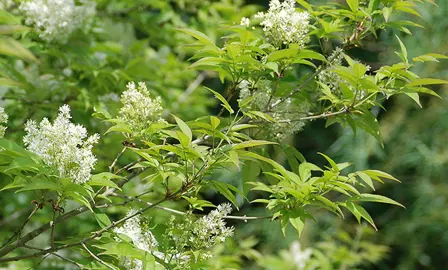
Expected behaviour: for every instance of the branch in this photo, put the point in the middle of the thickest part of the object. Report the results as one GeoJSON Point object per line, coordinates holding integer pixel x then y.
{"type": "Point", "coordinates": [111, 167]}
{"type": "Point", "coordinates": [57, 255]}
{"type": "Point", "coordinates": [18, 232]}
{"type": "Point", "coordinates": [177, 212]}
{"type": "Point", "coordinates": [33, 234]}
{"type": "Point", "coordinates": [87, 239]}
{"type": "Point", "coordinates": [317, 72]}
{"type": "Point", "coordinates": [96, 257]}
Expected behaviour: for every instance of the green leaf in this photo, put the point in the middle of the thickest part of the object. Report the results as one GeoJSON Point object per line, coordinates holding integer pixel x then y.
{"type": "Point", "coordinates": [41, 183]}
{"type": "Point", "coordinates": [368, 122]}
{"type": "Point", "coordinates": [404, 53]}
{"type": "Point", "coordinates": [79, 198]}
{"type": "Point", "coordinates": [414, 97]}
{"type": "Point", "coordinates": [298, 224]}
{"type": "Point", "coordinates": [429, 57]}
{"type": "Point", "coordinates": [366, 178]}
{"type": "Point", "coordinates": [11, 29]}
{"type": "Point", "coordinates": [224, 189]}
{"type": "Point", "coordinates": [119, 127]}
{"type": "Point", "coordinates": [9, 46]}
{"type": "Point", "coordinates": [365, 197]}
{"type": "Point", "coordinates": [9, 82]}
{"type": "Point", "coordinates": [426, 81]}
{"type": "Point", "coordinates": [222, 99]}
{"type": "Point", "coordinates": [19, 181]}
{"type": "Point", "coordinates": [326, 203]}
{"type": "Point", "coordinates": [201, 37]}
{"type": "Point", "coordinates": [149, 262]}
{"type": "Point", "coordinates": [373, 5]}
{"type": "Point", "coordinates": [353, 4]}
{"type": "Point", "coordinates": [308, 54]}
{"type": "Point", "coordinates": [104, 180]}
{"type": "Point", "coordinates": [358, 211]}
{"type": "Point", "coordinates": [184, 128]}
{"type": "Point", "coordinates": [375, 174]}
{"type": "Point", "coordinates": [333, 164]}
{"type": "Point", "coordinates": [102, 219]}
{"type": "Point", "coordinates": [249, 173]}
{"type": "Point", "coordinates": [23, 164]}
{"type": "Point", "coordinates": [214, 121]}
{"type": "Point", "coordinates": [282, 54]}
{"type": "Point", "coordinates": [252, 143]}
{"type": "Point", "coordinates": [120, 249]}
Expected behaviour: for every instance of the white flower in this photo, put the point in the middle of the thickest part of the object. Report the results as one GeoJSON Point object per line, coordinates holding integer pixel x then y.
{"type": "Point", "coordinates": [141, 238]}
{"type": "Point", "coordinates": [283, 25]}
{"type": "Point", "coordinates": [132, 228]}
{"type": "Point", "coordinates": [63, 145]}
{"type": "Point", "coordinates": [3, 120]}
{"type": "Point", "coordinates": [299, 257]}
{"type": "Point", "coordinates": [139, 110]}
{"type": "Point", "coordinates": [245, 22]}
{"type": "Point", "coordinates": [55, 20]}
{"type": "Point", "coordinates": [198, 235]}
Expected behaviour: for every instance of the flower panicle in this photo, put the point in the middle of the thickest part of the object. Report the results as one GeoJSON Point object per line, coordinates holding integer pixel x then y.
{"type": "Point", "coordinates": [63, 145]}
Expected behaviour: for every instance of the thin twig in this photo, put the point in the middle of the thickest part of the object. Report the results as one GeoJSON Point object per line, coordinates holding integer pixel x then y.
{"type": "Point", "coordinates": [19, 231]}
{"type": "Point", "coordinates": [111, 167]}
{"type": "Point", "coordinates": [96, 257]}
{"type": "Point", "coordinates": [57, 255]}
{"type": "Point", "coordinates": [317, 72]}
{"type": "Point", "coordinates": [33, 234]}
{"type": "Point", "coordinates": [68, 260]}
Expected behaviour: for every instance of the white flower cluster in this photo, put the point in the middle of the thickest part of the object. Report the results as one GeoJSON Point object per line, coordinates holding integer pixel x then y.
{"type": "Point", "coordinates": [61, 145]}
{"type": "Point", "coordinates": [283, 25]}
{"type": "Point", "coordinates": [286, 114]}
{"type": "Point", "coordinates": [139, 110]}
{"type": "Point", "coordinates": [245, 22]}
{"type": "Point", "coordinates": [3, 120]}
{"type": "Point", "coordinates": [141, 238]}
{"type": "Point", "coordinates": [55, 20]}
{"type": "Point", "coordinates": [299, 257]}
{"type": "Point", "coordinates": [198, 236]}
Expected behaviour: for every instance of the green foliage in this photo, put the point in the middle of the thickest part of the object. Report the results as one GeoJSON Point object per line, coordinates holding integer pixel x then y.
{"type": "Point", "coordinates": [179, 155]}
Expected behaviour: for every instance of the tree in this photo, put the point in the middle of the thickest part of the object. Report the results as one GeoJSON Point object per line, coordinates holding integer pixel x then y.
{"type": "Point", "coordinates": [281, 68]}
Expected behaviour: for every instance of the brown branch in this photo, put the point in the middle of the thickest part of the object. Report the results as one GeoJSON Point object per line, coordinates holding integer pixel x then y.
{"type": "Point", "coordinates": [93, 236]}
{"type": "Point", "coordinates": [33, 234]}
